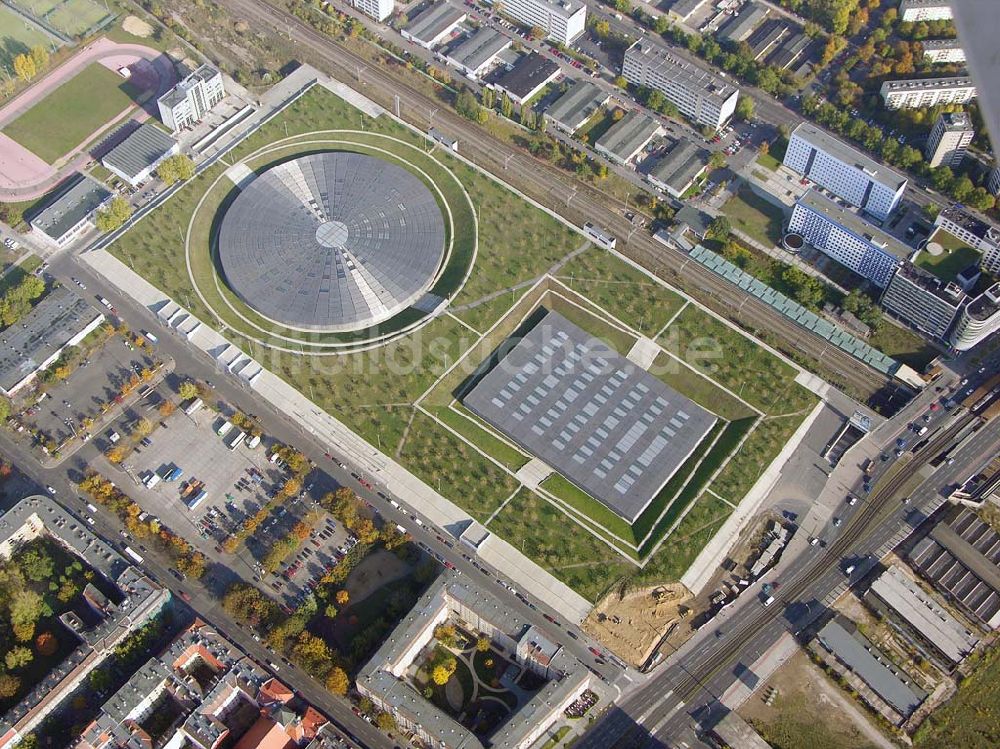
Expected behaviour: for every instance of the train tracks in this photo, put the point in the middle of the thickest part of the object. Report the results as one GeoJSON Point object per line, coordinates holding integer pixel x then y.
{"type": "Point", "coordinates": [575, 201]}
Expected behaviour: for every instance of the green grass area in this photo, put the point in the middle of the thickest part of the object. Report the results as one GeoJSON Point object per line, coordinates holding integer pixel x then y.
{"type": "Point", "coordinates": [727, 356]}
{"type": "Point", "coordinates": [801, 722]}
{"type": "Point", "coordinates": [618, 339]}
{"type": "Point", "coordinates": [463, 421]}
{"type": "Point", "coordinates": [949, 263]}
{"type": "Point", "coordinates": [755, 217]}
{"type": "Point", "coordinates": [903, 345]}
{"type": "Point", "coordinates": [969, 719]}
{"type": "Point", "coordinates": [18, 36]}
{"type": "Point", "coordinates": [66, 117]}
{"type": "Point", "coordinates": [598, 124]}
{"type": "Point", "coordinates": [579, 500]}
{"type": "Point", "coordinates": [629, 294]}
{"type": "Point", "coordinates": [554, 741]}
{"type": "Point", "coordinates": [766, 159]}
{"type": "Point", "coordinates": [755, 455]}
{"type": "Point", "coordinates": [76, 17]}
{"type": "Point", "coordinates": [701, 522]}
{"type": "Point", "coordinates": [698, 388]}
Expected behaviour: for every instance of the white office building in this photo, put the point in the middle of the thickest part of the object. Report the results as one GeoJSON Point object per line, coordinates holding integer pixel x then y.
{"type": "Point", "coordinates": [844, 171]}
{"type": "Point", "coordinates": [949, 138]}
{"type": "Point", "coordinates": [975, 232]}
{"type": "Point", "coordinates": [993, 183]}
{"type": "Point", "coordinates": [924, 10]}
{"type": "Point", "coordinates": [186, 103]}
{"type": "Point", "coordinates": [979, 320]}
{"type": "Point", "coordinates": [701, 97]}
{"type": "Point", "coordinates": [923, 301]}
{"type": "Point", "coordinates": [377, 9]}
{"type": "Point", "coordinates": [562, 20]}
{"type": "Point", "coordinates": [943, 50]}
{"type": "Point", "coordinates": [847, 238]}
{"type": "Point", "coordinates": [927, 92]}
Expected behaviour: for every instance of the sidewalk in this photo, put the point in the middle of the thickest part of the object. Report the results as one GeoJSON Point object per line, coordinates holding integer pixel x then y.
{"type": "Point", "coordinates": [287, 401]}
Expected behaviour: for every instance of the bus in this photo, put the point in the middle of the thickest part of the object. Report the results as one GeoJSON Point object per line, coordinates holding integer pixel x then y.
{"type": "Point", "coordinates": [236, 440]}
{"type": "Point", "coordinates": [131, 553]}
{"type": "Point", "coordinates": [599, 236]}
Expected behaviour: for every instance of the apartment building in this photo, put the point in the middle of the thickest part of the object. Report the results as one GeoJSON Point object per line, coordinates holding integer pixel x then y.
{"type": "Point", "coordinates": [561, 20]}
{"type": "Point", "coordinates": [993, 183]}
{"type": "Point", "coordinates": [949, 138]}
{"type": "Point", "coordinates": [844, 171]}
{"type": "Point", "coordinates": [187, 103]}
{"type": "Point", "coordinates": [377, 9]}
{"type": "Point", "coordinates": [943, 51]}
{"type": "Point", "coordinates": [923, 301]}
{"type": "Point", "coordinates": [700, 96]}
{"type": "Point", "coordinates": [847, 238]}
{"type": "Point", "coordinates": [925, 10]}
{"type": "Point", "coordinates": [927, 92]}
{"type": "Point", "coordinates": [979, 320]}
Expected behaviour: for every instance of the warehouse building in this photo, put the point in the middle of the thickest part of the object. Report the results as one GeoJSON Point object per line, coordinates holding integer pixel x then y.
{"type": "Point", "coordinates": [699, 96]}
{"type": "Point", "coordinates": [580, 102]}
{"type": "Point", "coordinates": [71, 213]}
{"type": "Point", "coordinates": [627, 138]}
{"type": "Point", "coordinates": [979, 320]}
{"type": "Point", "coordinates": [923, 615]}
{"type": "Point", "coordinates": [136, 158]}
{"type": "Point", "coordinates": [530, 74]}
{"type": "Point", "coordinates": [561, 20]}
{"type": "Point", "coordinates": [682, 10]}
{"type": "Point", "coordinates": [844, 171]}
{"type": "Point", "coordinates": [477, 54]}
{"type": "Point", "coordinates": [927, 92]}
{"type": "Point", "coordinates": [924, 10]}
{"type": "Point", "coordinates": [432, 25]}
{"type": "Point", "coordinates": [923, 301]}
{"type": "Point", "coordinates": [847, 238]}
{"type": "Point", "coordinates": [740, 27]}
{"type": "Point", "coordinates": [187, 103]}
{"type": "Point", "coordinates": [943, 51]}
{"type": "Point", "coordinates": [949, 138]}
{"type": "Point", "coordinates": [678, 170]}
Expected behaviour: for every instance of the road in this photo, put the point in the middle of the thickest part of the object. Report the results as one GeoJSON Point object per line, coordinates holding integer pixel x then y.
{"type": "Point", "coordinates": [698, 677]}
{"type": "Point", "coordinates": [575, 201]}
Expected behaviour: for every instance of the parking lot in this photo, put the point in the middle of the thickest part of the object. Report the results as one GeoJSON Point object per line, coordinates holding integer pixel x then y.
{"type": "Point", "coordinates": [97, 380]}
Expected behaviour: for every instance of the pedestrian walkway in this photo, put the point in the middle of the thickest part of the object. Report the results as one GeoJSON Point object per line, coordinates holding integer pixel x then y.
{"type": "Point", "coordinates": [285, 400]}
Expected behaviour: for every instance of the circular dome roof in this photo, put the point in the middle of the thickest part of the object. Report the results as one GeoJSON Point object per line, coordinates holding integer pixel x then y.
{"type": "Point", "coordinates": [332, 241]}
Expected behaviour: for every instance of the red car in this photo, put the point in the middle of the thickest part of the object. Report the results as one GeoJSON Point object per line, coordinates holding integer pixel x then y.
{"type": "Point", "coordinates": [595, 651]}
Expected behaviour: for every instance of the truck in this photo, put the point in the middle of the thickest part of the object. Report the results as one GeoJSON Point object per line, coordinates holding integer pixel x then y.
{"type": "Point", "coordinates": [173, 474]}
{"type": "Point", "coordinates": [133, 555]}
{"type": "Point", "coordinates": [150, 337]}
{"type": "Point", "coordinates": [151, 480]}
{"type": "Point", "coordinates": [194, 406]}
{"type": "Point", "coordinates": [236, 440]}
{"type": "Point", "coordinates": [197, 499]}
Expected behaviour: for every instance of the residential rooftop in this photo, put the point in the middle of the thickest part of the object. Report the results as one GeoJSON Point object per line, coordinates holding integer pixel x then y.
{"type": "Point", "coordinates": [140, 150]}
{"type": "Point", "coordinates": [941, 44]}
{"type": "Point", "coordinates": [682, 72]}
{"type": "Point", "coordinates": [823, 141]}
{"type": "Point", "coordinates": [76, 203]}
{"type": "Point", "coordinates": [970, 223]}
{"type": "Point", "coordinates": [917, 84]}
{"type": "Point", "coordinates": [848, 219]}
{"type": "Point", "coordinates": [948, 291]}
{"type": "Point", "coordinates": [986, 305]}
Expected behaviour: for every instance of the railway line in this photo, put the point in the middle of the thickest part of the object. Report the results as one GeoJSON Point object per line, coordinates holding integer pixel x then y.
{"type": "Point", "coordinates": [575, 201]}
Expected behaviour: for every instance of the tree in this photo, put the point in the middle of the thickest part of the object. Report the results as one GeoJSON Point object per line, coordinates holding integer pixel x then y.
{"type": "Point", "coordinates": [623, 6]}
{"type": "Point", "coordinates": [337, 681]}
{"type": "Point", "coordinates": [176, 168]}
{"type": "Point", "coordinates": [18, 657]}
{"type": "Point", "coordinates": [46, 643]}
{"type": "Point", "coordinates": [717, 160]}
{"type": "Point", "coordinates": [26, 608]}
{"type": "Point", "coordinates": [446, 634]}
{"type": "Point", "coordinates": [602, 29]}
{"type": "Point", "coordinates": [537, 32]}
{"type": "Point", "coordinates": [439, 675]}
{"type": "Point", "coordinates": [342, 597]}
{"type": "Point", "coordinates": [962, 188]}
{"type": "Point", "coordinates": [24, 67]}
{"type": "Point", "coordinates": [292, 487]}
{"type": "Point", "coordinates": [36, 564]}
{"type": "Point", "coordinates": [116, 454]}
{"type": "Point", "coordinates": [765, 148]}
{"type": "Point", "coordinates": [39, 56]}
{"type": "Point", "coordinates": [142, 427]}
{"type": "Point", "coordinates": [167, 408]}
{"type": "Point", "coordinates": [116, 214]}
{"type": "Point", "coordinates": [807, 290]}
{"type": "Point", "coordinates": [506, 105]}
{"type": "Point", "coordinates": [489, 97]}
{"type": "Point", "coordinates": [745, 108]}
{"type": "Point", "coordinates": [187, 390]}
{"type": "Point", "coordinates": [620, 82]}
{"type": "Point", "coordinates": [8, 686]}
{"type": "Point", "coordinates": [467, 106]}
{"type": "Point", "coordinates": [483, 644]}
{"type": "Point", "coordinates": [719, 229]}
{"type": "Point", "coordinates": [386, 722]}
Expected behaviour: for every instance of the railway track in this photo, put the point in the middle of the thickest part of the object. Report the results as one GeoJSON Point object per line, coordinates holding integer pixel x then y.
{"type": "Point", "coordinates": [575, 201]}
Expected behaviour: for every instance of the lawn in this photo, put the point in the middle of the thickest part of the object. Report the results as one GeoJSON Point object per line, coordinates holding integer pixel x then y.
{"type": "Point", "coordinates": [68, 116]}
{"type": "Point", "coordinates": [18, 36]}
{"type": "Point", "coordinates": [598, 124]}
{"type": "Point", "coordinates": [467, 424]}
{"type": "Point", "coordinates": [755, 217]}
{"type": "Point", "coordinates": [949, 263]}
{"type": "Point", "coordinates": [903, 345]}
{"type": "Point", "coordinates": [688, 382]}
{"type": "Point", "coordinates": [766, 159]}
{"type": "Point", "coordinates": [76, 17]}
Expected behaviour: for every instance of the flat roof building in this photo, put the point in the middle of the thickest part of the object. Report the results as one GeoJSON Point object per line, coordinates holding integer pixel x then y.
{"type": "Point", "coordinates": [71, 213]}
{"type": "Point", "coordinates": [699, 96]}
{"type": "Point", "coordinates": [682, 10]}
{"type": "Point", "coordinates": [608, 426]}
{"type": "Point", "coordinates": [923, 301]}
{"type": "Point", "coordinates": [59, 320]}
{"type": "Point", "coordinates": [923, 614]}
{"type": "Point", "coordinates": [187, 103]}
{"type": "Point", "coordinates": [679, 168]}
{"type": "Point", "coordinates": [855, 652]}
{"type": "Point", "coordinates": [432, 25]}
{"type": "Point", "coordinates": [924, 10]}
{"type": "Point", "coordinates": [580, 102]}
{"type": "Point", "coordinates": [975, 232]}
{"type": "Point", "coordinates": [949, 138]}
{"type": "Point", "coordinates": [626, 139]}
{"type": "Point", "coordinates": [476, 54]}
{"type": "Point", "coordinates": [927, 92]}
{"type": "Point", "coordinates": [847, 238]}
{"type": "Point", "coordinates": [136, 157]}
{"type": "Point", "coordinates": [529, 76]}
{"type": "Point", "coordinates": [844, 171]}
{"type": "Point", "coordinates": [740, 27]}
{"type": "Point", "coordinates": [561, 20]}
{"type": "Point", "coordinates": [377, 9]}
{"type": "Point", "coordinates": [960, 556]}
{"type": "Point", "coordinates": [979, 320]}
{"type": "Point", "coordinates": [943, 51]}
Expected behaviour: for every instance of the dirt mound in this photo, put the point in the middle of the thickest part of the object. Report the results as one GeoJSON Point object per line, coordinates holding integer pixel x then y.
{"type": "Point", "coordinates": [137, 27]}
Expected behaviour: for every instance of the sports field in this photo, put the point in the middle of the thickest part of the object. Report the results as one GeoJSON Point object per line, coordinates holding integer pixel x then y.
{"type": "Point", "coordinates": [70, 115]}
{"type": "Point", "coordinates": [400, 396]}
{"type": "Point", "coordinates": [16, 36]}
{"type": "Point", "coordinates": [71, 17]}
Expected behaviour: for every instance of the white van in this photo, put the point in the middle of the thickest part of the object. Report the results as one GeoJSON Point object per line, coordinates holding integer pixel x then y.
{"type": "Point", "coordinates": [150, 337]}
{"type": "Point", "coordinates": [769, 600]}
{"type": "Point", "coordinates": [195, 405]}
{"type": "Point", "coordinates": [223, 430]}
